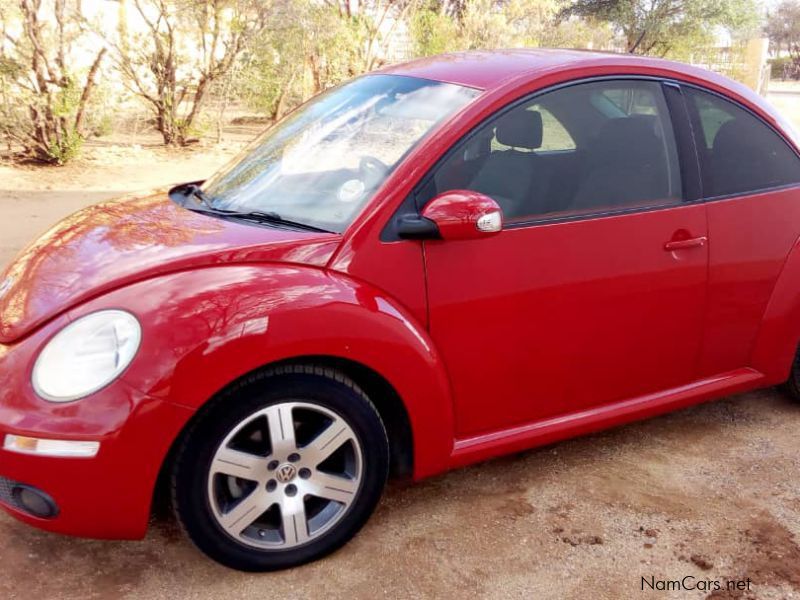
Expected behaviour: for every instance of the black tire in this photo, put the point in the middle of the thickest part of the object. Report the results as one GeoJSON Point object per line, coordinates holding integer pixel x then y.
{"type": "Point", "coordinates": [792, 385]}
{"type": "Point", "coordinates": [317, 385]}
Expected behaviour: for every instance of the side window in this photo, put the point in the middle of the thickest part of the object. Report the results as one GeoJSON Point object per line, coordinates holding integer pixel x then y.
{"type": "Point", "coordinates": [624, 102]}
{"type": "Point", "coordinates": [738, 152]}
{"type": "Point", "coordinates": [555, 138]}
{"type": "Point", "coordinates": [583, 149]}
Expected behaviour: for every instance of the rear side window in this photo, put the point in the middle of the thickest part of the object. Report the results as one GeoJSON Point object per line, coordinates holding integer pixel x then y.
{"type": "Point", "coordinates": [738, 152]}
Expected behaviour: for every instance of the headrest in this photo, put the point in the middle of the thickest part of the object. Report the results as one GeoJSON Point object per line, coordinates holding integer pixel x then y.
{"type": "Point", "coordinates": [626, 139]}
{"type": "Point", "coordinates": [520, 129]}
{"type": "Point", "coordinates": [736, 135]}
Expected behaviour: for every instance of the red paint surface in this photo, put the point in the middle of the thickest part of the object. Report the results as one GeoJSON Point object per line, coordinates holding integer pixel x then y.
{"type": "Point", "coordinates": [494, 344]}
{"type": "Point", "coordinates": [457, 213]}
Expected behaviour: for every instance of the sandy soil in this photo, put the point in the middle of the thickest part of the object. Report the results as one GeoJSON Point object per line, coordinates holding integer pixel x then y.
{"type": "Point", "coordinates": [710, 492]}
{"type": "Point", "coordinates": [785, 96]}
{"type": "Point", "coordinates": [32, 198]}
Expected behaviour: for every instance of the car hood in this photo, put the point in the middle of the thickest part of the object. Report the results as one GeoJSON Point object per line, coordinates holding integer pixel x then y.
{"type": "Point", "coordinates": [115, 243]}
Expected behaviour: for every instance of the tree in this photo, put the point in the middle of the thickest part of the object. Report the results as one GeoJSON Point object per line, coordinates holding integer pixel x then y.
{"type": "Point", "coordinates": [433, 31]}
{"type": "Point", "coordinates": [306, 48]}
{"type": "Point", "coordinates": [184, 47]}
{"type": "Point", "coordinates": [377, 19]}
{"type": "Point", "coordinates": [783, 29]}
{"type": "Point", "coordinates": [310, 46]}
{"type": "Point", "coordinates": [45, 101]}
{"type": "Point", "coordinates": [658, 26]}
{"type": "Point", "coordinates": [447, 25]}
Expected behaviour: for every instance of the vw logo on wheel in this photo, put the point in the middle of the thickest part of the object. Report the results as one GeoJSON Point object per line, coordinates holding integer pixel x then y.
{"type": "Point", "coordinates": [286, 473]}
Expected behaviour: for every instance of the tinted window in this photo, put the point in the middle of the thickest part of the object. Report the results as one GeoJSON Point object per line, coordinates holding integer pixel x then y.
{"type": "Point", "coordinates": [738, 152]}
{"type": "Point", "coordinates": [588, 148]}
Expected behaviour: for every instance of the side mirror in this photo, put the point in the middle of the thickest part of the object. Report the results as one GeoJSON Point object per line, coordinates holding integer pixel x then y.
{"type": "Point", "coordinates": [455, 215]}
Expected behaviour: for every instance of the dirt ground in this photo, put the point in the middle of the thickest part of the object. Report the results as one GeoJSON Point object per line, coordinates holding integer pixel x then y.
{"type": "Point", "coordinates": [785, 96]}
{"type": "Point", "coordinates": [709, 492]}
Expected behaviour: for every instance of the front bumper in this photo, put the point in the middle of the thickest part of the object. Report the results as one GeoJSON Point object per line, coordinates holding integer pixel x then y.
{"type": "Point", "coordinates": [108, 496]}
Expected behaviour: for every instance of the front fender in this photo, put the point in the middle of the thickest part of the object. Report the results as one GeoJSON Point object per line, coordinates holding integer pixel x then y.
{"type": "Point", "coordinates": [204, 328]}
{"type": "Point", "coordinates": [779, 335]}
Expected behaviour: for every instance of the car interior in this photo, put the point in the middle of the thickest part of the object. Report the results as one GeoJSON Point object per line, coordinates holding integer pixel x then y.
{"type": "Point", "coordinates": [603, 156]}
{"type": "Point", "coordinates": [730, 166]}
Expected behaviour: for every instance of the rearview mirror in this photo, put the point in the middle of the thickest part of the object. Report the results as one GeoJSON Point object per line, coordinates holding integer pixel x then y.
{"type": "Point", "coordinates": [456, 215]}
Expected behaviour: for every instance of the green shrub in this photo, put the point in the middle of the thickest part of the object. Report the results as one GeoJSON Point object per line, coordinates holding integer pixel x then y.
{"type": "Point", "coordinates": [68, 147]}
{"type": "Point", "coordinates": [104, 126]}
{"type": "Point", "coordinates": [433, 32]}
{"type": "Point", "coordinates": [784, 66]}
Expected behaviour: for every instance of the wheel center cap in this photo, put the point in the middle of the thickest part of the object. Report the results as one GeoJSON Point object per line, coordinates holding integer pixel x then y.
{"type": "Point", "coordinates": [286, 472]}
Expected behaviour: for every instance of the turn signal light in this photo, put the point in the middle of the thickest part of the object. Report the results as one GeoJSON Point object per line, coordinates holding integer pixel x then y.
{"type": "Point", "coordinates": [56, 448]}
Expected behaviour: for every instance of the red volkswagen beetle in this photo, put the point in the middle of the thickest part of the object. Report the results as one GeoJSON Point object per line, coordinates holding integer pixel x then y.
{"type": "Point", "coordinates": [435, 264]}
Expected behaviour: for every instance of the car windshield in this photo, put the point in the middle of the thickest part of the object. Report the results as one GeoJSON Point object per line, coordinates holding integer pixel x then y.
{"type": "Point", "coordinates": [321, 164]}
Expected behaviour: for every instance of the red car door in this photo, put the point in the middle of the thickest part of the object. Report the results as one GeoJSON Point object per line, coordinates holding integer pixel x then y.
{"type": "Point", "coordinates": [751, 179]}
{"type": "Point", "coordinates": [594, 291]}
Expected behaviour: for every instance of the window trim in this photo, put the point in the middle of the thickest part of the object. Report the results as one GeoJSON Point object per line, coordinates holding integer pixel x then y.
{"type": "Point", "coordinates": [595, 215]}
{"type": "Point", "coordinates": [690, 166]}
{"type": "Point", "coordinates": [424, 181]}
{"type": "Point", "coordinates": [696, 125]}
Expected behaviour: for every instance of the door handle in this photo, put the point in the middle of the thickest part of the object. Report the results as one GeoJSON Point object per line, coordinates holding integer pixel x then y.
{"type": "Point", "coordinates": [685, 244]}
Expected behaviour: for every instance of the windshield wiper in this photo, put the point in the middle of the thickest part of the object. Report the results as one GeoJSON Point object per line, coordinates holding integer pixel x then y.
{"type": "Point", "coordinates": [270, 218]}
{"type": "Point", "coordinates": [195, 190]}
{"type": "Point", "coordinates": [274, 218]}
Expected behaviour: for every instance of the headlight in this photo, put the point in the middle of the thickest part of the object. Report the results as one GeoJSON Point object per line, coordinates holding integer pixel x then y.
{"type": "Point", "coordinates": [86, 355]}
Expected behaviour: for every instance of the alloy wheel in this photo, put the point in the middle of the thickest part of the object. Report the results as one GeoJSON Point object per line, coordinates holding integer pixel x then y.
{"type": "Point", "coordinates": [285, 475]}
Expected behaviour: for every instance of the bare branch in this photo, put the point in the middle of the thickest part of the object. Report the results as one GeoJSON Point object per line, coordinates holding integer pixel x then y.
{"type": "Point", "coordinates": [87, 91]}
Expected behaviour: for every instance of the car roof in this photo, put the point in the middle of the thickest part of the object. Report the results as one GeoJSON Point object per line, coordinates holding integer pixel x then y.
{"type": "Point", "coordinates": [489, 69]}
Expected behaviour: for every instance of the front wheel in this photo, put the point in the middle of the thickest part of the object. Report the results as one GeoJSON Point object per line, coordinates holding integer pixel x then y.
{"type": "Point", "coordinates": [282, 469]}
